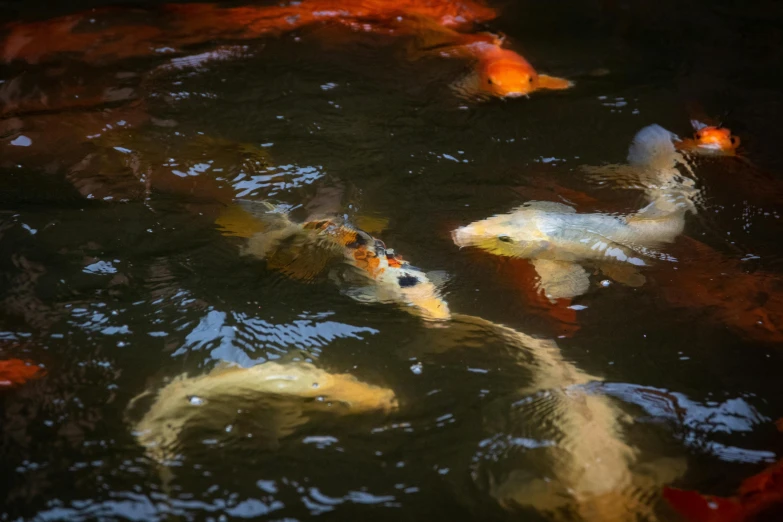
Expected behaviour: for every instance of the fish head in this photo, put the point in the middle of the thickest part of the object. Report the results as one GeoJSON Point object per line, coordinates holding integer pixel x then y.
{"type": "Point", "coordinates": [412, 288]}
{"type": "Point", "coordinates": [424, 297]}
{"type": "Point", "coordinates": [716, 138]}
{"type": "Point", "coordinates": [394, 280]}
{"type": "Point", "coordinates": [512, 235]}
{"type": "Point", "coordinates": [506, 74]}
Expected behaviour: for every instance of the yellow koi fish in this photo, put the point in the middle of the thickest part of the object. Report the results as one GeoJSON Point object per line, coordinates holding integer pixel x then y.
{"type": "Point", "coordinates": [578, 467]}
{"type": "Point", "coordinates": [289, 392]}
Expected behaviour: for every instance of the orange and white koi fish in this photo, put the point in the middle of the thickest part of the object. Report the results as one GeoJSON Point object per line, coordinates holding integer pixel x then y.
{"type": "Point", "coordinates": [759, 497]}
{"type": "Point", "coordinates": [374, 273]}
{"type": "Point", "coordinates": [709, 140]}
{"type": "Point", "coordinates": [14, 372]}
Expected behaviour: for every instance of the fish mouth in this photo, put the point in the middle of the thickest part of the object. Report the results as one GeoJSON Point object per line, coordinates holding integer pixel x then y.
{"type": "Point", "coordinates": [462, 237]}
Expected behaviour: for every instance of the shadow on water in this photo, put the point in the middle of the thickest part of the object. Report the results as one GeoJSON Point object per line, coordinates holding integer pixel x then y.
{"type": "Point", "coordinates": [116, 279]}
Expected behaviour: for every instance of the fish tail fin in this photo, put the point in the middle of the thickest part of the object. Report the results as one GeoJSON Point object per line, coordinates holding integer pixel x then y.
{"type": "Point", "coordinates": [551, 82]}
{"type": "Point", "coordinates": [653, 146]}
{"type": "Point", "coordinates": [695, 507]}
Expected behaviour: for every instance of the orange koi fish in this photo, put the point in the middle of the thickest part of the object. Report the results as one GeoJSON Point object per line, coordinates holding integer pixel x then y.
{"type": "Point", "coordinates": [179, 25]}
{"type": "Point", "coordinates": [756, 497]}
{"type": "Point", "coordinates": [499, 72]}
{"type": "Point", "coordinates": [709, 140]}
{"type": "Point", "coordinates": [14, 372]}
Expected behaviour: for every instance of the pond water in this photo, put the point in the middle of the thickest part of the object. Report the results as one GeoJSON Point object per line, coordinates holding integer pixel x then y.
{"type": "Point", "coordinates": [116, 278]}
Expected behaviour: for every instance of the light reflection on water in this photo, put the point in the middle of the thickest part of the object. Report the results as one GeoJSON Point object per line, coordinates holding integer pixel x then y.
{"type": "Point", "coordinates": [116, 279]}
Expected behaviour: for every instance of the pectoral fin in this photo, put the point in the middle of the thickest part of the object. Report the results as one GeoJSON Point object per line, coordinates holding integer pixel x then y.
{"type": "Point", "coordinates": [550, 82]}
{"type": "Point", "coordinates": [561, 280]}
{"type": "Point", "coordinates": [623, 273]}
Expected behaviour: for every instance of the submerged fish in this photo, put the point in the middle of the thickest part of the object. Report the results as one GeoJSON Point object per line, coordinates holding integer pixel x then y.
{"type": "Point", "coordinates": [558, 241]}
{"type": "Point", "coordinates": [289, 392]}
{"type": "Point", "coordinates": [759, 497]}
{"type": "Point", "coordinates": [107, 34]}
{"type": "Point", "coordinates": [366, 270]}
{"type": "Point", "coordinates": [588, 472]}
{"type": "Point", "coordinates": [14, 372]}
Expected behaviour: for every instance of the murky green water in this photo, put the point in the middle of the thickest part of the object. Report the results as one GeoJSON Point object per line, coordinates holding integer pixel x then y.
{"type": "Point", "coordinates": [117, 288]}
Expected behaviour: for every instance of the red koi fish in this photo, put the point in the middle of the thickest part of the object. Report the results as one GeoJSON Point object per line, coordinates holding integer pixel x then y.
{"type": "Point", "coordinates": [14, 372]}
{"type": "Point", "coordinates": [756, 497]}
{"type": "Point", "coordinates": [94, 37]}
{"type": "Point", "coordinates": [751, 304]}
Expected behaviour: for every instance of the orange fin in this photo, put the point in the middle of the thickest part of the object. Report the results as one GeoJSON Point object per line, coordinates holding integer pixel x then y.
{"type": "Point", "coordinates": [550, 82]}
{"type": "Point", "coordinates": [14, 372]}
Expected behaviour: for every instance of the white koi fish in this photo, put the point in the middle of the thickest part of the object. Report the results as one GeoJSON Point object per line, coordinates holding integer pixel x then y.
{"type": "Point", "coordinates": [559, 241]}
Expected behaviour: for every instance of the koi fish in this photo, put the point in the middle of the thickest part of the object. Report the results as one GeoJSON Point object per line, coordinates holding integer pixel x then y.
{"type": "Point", "coordinates": [590, 473]}
{"type": "Point", "coordinates": [368, 271]}
{"type": "Point", "coordinates": [709, 140]}
{"type": "Point", "coordinates": [97, 38]}
{"type": "Point", "coordinates": [558, 241]}
{"type": "Point", "coordinates": [498, 72]}
{"type": "Point", "coordinates": [750, 304]}
{"type": "Point", "coordinates": [288, 392]}
{"type": "Point", "coordinates": [14, 372]}
{"type": "Point", "coordinates": [756, 496]}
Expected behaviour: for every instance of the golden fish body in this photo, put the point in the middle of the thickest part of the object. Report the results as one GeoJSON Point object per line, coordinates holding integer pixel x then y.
{"type": "Point", "coordinates": [213, 400]}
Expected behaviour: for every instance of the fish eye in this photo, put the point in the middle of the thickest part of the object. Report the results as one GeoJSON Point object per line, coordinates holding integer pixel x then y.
{"type": "Point", "coordinates": [407, 280]}
{"type": "Point", "coordinates": [506, 239]}
{"type": "Point", "coordinates": [489, 81]}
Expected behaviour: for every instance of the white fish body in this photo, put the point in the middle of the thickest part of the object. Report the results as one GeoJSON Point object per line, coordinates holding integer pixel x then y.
{"type": "Point", "coordinates": [559, 241]}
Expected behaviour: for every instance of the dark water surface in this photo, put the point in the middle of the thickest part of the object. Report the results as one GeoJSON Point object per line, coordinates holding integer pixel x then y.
{"type": "Point", "coordinates": [119, 293]}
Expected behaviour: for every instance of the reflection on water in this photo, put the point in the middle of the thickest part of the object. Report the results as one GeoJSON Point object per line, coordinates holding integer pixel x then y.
{"type": "Point", "coordinates": [622, 342]}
